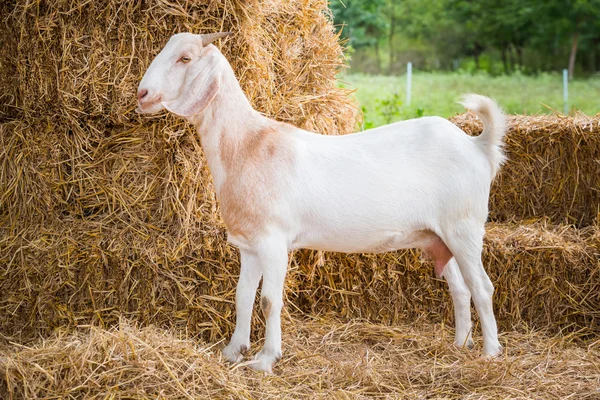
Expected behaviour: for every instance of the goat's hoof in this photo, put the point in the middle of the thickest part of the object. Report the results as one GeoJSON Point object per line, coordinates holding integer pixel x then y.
{"type": "Point", "coordinates": [264, 361]}
{"type": "Point", "coordinates": [492, 351]}
{"type": "Point", "coordinates": [465, 344]}
{"type": "Point", "coordinates": [234, 352]}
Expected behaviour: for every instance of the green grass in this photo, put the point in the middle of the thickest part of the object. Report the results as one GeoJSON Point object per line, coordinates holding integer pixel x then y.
{"type": "Point", "coordinates": [383, 97]}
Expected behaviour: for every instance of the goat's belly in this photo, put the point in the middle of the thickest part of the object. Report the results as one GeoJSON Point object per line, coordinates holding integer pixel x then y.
{"type": "Point", "coordinates": [354, 242]}
{"type": "Point", "coordinates": [432, 245]}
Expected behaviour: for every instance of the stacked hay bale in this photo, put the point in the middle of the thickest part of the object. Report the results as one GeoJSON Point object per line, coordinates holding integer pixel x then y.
{"type": "Point", "coordinates": [81, 61]}
{"type": "Point", "coordinates": [546, 277]}
{"type": "Point", "coordinates": [553, 170]}
{"type": "Point", "coordinates": [104, 214]}
{"type": "Point", "coordinates": [8, 46]}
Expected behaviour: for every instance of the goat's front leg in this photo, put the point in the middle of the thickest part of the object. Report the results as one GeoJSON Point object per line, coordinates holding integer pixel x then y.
{"type": "Point", "coordinates": [250, 274]}
{"type": "Point", "coordinates": [273, 257]}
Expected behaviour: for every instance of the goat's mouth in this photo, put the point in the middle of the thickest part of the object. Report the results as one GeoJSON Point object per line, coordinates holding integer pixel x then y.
{"type": "Point", "coordinates": [153, 107]}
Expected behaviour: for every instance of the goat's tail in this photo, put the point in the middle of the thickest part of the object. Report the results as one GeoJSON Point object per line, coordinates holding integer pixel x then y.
{"type": "Point", "coordinates": [494, 128]}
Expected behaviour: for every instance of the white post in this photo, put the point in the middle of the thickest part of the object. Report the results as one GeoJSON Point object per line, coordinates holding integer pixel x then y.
{"type": "Point", "coordinates": [566, 90]}
{"type": "Point", "coordinates": [408, 82]}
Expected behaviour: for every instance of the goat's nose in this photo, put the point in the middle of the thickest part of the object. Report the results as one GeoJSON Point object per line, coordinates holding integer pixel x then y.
{"type": "Point", "coordinates": [142, 93]}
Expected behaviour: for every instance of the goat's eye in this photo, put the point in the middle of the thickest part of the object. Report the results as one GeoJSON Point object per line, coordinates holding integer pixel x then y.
{"type": "Point", "coordinates": [185, 59]}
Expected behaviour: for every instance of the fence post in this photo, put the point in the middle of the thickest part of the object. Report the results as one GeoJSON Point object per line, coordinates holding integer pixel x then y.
{"type": "Point", "coordinates": [566, 90]}
{"type": "Point", "coordinates": [408, 82]}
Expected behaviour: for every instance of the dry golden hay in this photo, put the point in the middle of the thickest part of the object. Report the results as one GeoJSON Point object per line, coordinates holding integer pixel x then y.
{"type": "Point", "coordinates": [553, 168]}
{"type": "Point", "coordinates": [545, 277]}
{"type": "Point", "coordinates": [104, 215]}
{"type": "Point", "coordinates": [8, 48]}
{"type": "Point", "coordinates": [79, 61]}
{"type": "Point", "coordinates": [323, 359]}
{"type": "Point", "coordinates": [95, 225]}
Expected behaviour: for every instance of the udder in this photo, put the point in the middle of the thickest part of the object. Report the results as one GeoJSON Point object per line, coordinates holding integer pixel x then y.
{"type": "Point", "coordinates": [437, 251]}
{"type": "Point", "coordinates": [432, 245]}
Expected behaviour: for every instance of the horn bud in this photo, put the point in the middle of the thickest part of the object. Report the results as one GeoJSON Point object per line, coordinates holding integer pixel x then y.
{"type": "Point", "coordinates": [211, 37]}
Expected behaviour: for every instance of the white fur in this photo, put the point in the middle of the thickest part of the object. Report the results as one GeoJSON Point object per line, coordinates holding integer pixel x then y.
{"type": "Point", "coordinates": [371, 191]}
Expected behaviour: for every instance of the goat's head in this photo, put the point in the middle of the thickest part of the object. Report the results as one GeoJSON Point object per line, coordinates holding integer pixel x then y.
{"type": "Point", "coordinates": [184, 77]}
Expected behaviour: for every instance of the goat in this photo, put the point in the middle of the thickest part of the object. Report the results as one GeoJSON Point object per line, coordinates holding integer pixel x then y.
{"type": "Point", "coordinates": [421, 183]}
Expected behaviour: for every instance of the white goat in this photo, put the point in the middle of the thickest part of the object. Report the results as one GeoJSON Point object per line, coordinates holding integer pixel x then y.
{"type": "Point", "coordinates": [421, 183]}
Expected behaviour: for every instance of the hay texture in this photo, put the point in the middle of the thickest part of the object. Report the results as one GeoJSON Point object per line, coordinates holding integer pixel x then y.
{"type": "Point", "coordinates": [322, 360]}
{"type": "Point", "coordinates": [147, 243]}
{"type": "Point", "coordinates": [79, 61]}
{"type": "Point", "coordinates": [104, 215]}
{"type": "Point", "coordinates": [545, 277]}
{"type": "Point", "coordinates": [117, 202]}
{"type": "Point", "coordinates": [97, 224]}
{"type": "Point", "coordinates": [553, 168]}
{"type": "Point", "coordinates": [8, 49]}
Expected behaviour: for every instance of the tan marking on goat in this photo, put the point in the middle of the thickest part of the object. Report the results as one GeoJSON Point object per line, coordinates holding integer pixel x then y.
{"type": "Point", "coordinates": [253, 165]}
{"type": "Point", "coordinates": [265, 305]}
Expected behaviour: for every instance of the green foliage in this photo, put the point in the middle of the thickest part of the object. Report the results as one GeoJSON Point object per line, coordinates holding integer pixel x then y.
{"type": "Point", "coordinates": [362, 22]}
{"type": "Point", "coordinates": [389, 109]}
{"type": "Point", "coordinates": [528, 35]}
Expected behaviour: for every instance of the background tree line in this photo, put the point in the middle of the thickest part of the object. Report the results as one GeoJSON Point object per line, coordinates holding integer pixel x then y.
{"type": "Point", "coordinates": [496, 36]}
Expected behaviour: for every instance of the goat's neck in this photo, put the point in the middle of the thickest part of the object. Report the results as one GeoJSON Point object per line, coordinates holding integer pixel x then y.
{"type": "Point", "coordinates": [225, 125]}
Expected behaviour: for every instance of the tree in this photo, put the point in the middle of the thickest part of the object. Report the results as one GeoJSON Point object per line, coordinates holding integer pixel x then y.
{"type": "Point", "coordinates": [537, 34]}
{"type": "Point", "coordinates": [573, 20]}
{"type": "Point", "coordinates": [362, 22]}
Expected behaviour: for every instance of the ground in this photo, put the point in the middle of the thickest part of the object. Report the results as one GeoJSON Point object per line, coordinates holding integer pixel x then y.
{"type": "Point", "coordinates": [322, 359]}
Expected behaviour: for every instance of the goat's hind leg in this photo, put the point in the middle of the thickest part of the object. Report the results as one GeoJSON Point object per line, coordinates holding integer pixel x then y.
{"type": "Point", "coordinates": [461, 299]}
{"type": "Point", "coordinates": [465, 242]}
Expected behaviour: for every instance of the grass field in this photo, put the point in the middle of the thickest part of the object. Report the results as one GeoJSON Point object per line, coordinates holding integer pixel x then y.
{"type": "Point", "coordinates": [383, 97]}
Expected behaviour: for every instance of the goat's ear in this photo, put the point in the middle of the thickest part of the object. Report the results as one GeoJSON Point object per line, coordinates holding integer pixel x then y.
{"type": "Point", "coordinates": [200, 86]}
